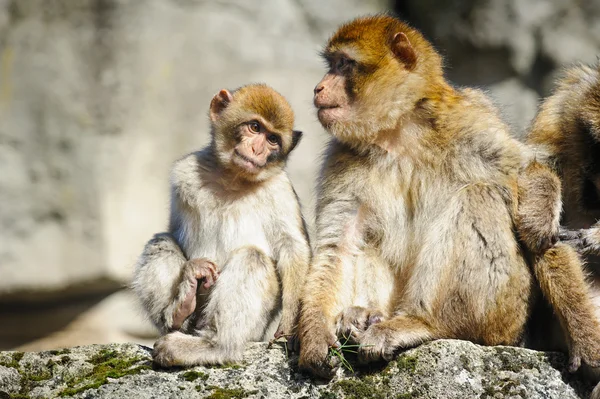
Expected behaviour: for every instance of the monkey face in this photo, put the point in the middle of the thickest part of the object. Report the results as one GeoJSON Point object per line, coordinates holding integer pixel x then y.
{"type": "Point", "coordinates": [252, 131]}
{"type": "Point", "coordinates": [343, 97]}
{"type": "Point", "coordinates": [372, 78]}
{"type": "Point", "coordinates": [255, 148]}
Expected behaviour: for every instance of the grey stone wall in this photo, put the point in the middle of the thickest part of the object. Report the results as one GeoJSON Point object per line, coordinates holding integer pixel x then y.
{"type": "Point", "coordinates": [513, 48]}
{"type": "Point", "coordinates": [99, 97]}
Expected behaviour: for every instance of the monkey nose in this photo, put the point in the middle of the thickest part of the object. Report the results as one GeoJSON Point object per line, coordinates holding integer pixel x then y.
{"type": "Point", "coordinates": [318, 89]}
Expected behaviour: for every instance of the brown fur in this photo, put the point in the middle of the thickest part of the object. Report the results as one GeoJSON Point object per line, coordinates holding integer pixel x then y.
{"type": "Point", "coordinates": [417, 204]}
{"type": "Point", "coordinates": [566, 138]}
{"type": "Point", "coordinates": [558, 269]}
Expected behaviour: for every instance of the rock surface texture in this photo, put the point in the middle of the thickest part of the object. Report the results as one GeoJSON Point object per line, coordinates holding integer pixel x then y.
{"type": "Point", "coordinates": [441, 369]}
{"type": "Point", "coordinates": [99, 97]}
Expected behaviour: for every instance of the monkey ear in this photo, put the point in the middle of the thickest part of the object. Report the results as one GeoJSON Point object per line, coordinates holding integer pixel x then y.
{"type": "Point", "coordinates": [219, 102]}
{"type": "Point", "coordinates": [405, 52]}
{"type": "Point", "coordinates": [296, 136]}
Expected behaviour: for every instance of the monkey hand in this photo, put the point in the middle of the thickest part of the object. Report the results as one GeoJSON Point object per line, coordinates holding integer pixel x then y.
{"type": "Point", "coordinates": [355, 320]}
{"type": "Point", "coordinates": [538, 237]}
{"type": "Point", "coordinates": [315, 358]}
{"type": "Point", "coordinates": [587, 353]}
{"type": "Point", "coordinates": [378, 342]}
{"type": "Point", "coordinates": [193, 271]}
{"type": "Point", "coordinates": [583, 240]}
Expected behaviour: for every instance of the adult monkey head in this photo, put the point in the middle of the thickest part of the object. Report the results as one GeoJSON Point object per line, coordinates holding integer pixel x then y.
{"type": "Point", "coordinates": [360, 95]}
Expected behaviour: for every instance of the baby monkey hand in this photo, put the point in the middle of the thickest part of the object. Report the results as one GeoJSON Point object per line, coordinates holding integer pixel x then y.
{"type": "Point", "coordinates": [194, 270]}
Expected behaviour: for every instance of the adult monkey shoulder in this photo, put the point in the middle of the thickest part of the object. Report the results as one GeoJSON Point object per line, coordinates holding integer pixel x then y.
{"type": "Point", "coordinates": [418, 190]}
{"type": "Point", "coordinates": [236, 252]}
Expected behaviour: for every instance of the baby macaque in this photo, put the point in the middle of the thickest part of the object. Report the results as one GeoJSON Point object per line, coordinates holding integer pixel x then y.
{"type": "Point", "coordinates": [233, 262]}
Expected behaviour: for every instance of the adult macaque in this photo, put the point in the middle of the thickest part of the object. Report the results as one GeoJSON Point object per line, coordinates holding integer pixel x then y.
{"type": "Point", "coordinates": [566, 137]}
{"type": "Point", "coordinates": [417, 205]}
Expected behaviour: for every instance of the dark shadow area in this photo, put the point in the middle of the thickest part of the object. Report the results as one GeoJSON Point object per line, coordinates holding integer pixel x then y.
{"type": "Point", "coordinates": [537, 78]}
{"type": "Point", "coordinates": [559, 361]}
{"type": "Point", "coordinates": [24, 319]}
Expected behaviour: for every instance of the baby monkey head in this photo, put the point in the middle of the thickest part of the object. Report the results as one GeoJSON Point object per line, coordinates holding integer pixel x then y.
{"type": "Point", "coordinates": [378, 69]}
{"type": "Point", "coordinates": [252, 131]}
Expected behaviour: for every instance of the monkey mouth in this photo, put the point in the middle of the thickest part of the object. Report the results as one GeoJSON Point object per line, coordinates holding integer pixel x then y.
{"type": "Point", "coordinates": [247, 163]}
{"type": "Point", "coordinates": [330, 113]}
{"type": "Point", "coordinates": [323, 107]}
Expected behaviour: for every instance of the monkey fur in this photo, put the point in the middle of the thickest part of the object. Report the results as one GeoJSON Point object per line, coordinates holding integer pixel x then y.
{"type": "Point", "coordinates": [235, 256]}
{"type": "Point", "coordinates": [417, 202]}
{"type": "Point", "coordinates": [566, 138]}
{"type": "Point", "coordinates": [417, 208]}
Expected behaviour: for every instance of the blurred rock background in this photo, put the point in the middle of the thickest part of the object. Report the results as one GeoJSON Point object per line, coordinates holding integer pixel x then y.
{"type": "Point", "coordinates": [99, 97]}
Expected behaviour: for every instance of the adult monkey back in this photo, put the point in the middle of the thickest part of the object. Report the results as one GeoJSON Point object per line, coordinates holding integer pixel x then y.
{"type": "Point", "coordinates": [415, 208]}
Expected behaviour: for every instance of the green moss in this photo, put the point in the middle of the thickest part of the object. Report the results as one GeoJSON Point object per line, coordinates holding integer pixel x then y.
{"type": "Point", "coordinates": [29, 379]}
{"type": "Point", "coordinates": [45, 374]}
{"type": "Point", "coordinates": [356, 389]}
{"type": "Point", "coordinates": [407, 363]}
{"type": "Point", "coordinates": [194, 375]}
{"type": "Point", "coordinates": [64, 351]}
{"type": "Point", "coordinates": [505, 387]}
{"type": "Point", "coordinates": [232, 366]}
{"type": "Point", "coordinates": [328, 395]}
{"type": "Point", "coordinates": [15, 358]}
{"type": "Point", "coordinates": [103, 356]}
{"type": "Point", "coordinates": [225, 393]}
{"type": "Point", "coordinates": [512, 360]}
{"type": "Point", "coordinates": [107, 364]}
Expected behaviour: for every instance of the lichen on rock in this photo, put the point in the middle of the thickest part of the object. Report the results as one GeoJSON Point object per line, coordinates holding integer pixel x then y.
{"type": "Point", "coordinates": [439, 369]}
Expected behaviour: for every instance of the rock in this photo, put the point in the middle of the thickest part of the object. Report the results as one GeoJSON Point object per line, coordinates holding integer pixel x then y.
{"type": "Point", "coordinates": [98, 99]}
{"type": "Point", "coordinates": [517, 103]}
{"type": "Point", "coordinates": [440, 369]}
{"type": "Point", "coordinates": [117, 318]}
{"type": "Point", "coordinates": [488, 43]}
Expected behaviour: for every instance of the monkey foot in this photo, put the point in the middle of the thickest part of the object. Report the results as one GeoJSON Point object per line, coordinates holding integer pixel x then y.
{"type": "Point", "coordinates": [355, 320]}
{"type": "Point", "coordinates": [167, 350]}
{"type": "Point", "coordinates": [587, 353]}
{"type": "Point", "coordinates": [315, 355]}
{"type": "Point", "coordinates": [582, 240]}
{"type": "Point", "coordinates": [377, 343]}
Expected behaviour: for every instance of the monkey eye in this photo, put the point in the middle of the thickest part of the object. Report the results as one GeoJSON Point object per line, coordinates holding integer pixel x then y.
{"type": "Point", "coordinates": [254, 126]}
{"type": "Point", "coordinates": [273, 139]}
{"type": "Point", "coordinates": [344, 64]}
